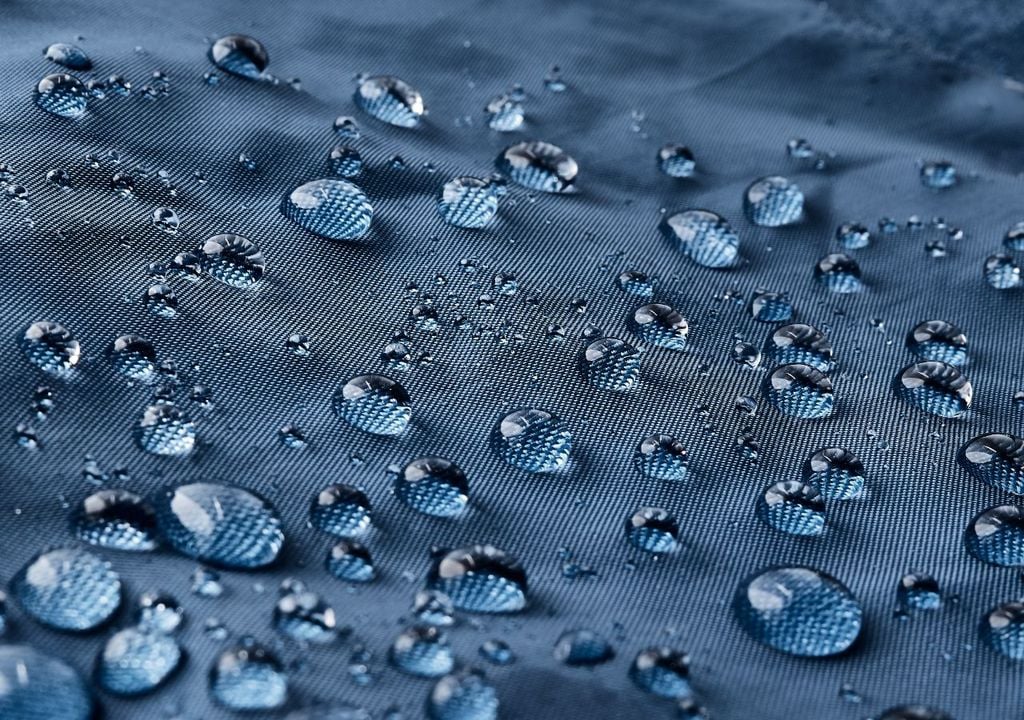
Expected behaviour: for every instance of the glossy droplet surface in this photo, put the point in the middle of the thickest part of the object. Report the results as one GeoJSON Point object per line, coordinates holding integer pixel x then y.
{"type": "Point", "coordinates": [331, 208]}
{"type": "Point", "coordinates": [836, 473]}
{"type": "Point", "coordinates": [68, 589]}
{"type": "Point", "coordinates": [798, 610]}
{"type": "Point", "coordinates": [433, 486]}
{"type": "Point", "coordinates": [771, 307]}
{"type": "Point", "coordinates": [134, 662]}
{"type": "Point", "coordinates": [34, 686]}
{"type": "Point", "coordinates": [839, 273]}
{"type": "Point", "coordinates": [351, 562]}
{"type": "Point", "coordinates": [165, 429]}
{"type": "Point", "coordinates": [465, 695]}
{"type": "Point", "coordinates": [996, 536]}
{"type": "Point", "coordinates": [773, 201]}
{"type": "Point", "coordinates": [159, 612]}
{"type": "Point", "coordinates": [800, 343]}
{"type": "Point", "coordinates": [938, 340]}
{"type": "Point", "coordinates": [853, 236]}
{"type": "Point", "coordinates": [373, 403]}
{"type": "Point", "coordinates": [70, 56]}
{"type": "Point", "coordinates": [220, 524]}
{"type": "Point", "coordinates": [791, 507]}
{"type": "Point", "coordinates": [799, 391]}
{"type": "Point", "coordinates": [533, 440]}
{"type": "Point", "coordinates": [582, 648]}
{"type": "Point", "coordinates": [917, 591]}
{"type": "Point", "coordinates": [662, 457]}
{"type": "Point", "coordinates": [635, 283]}
{"type": "Point", "coordinates": [653, 530]}
{"type": "Point", "coordinates": [233, 260]}
{"type": "Point", "coordinates": [423, 651]}
{"type": "Point", "coordinates": [504, 114]}
{"type": "Point", "coordinates": [704, 236]}
{"type": "Point", "coordinates": [468, 202]}
{"type": "Point", "coordinates": [662, 671]}
{"type": "Point", "coordinates": [1014, 238]}
{"type": "Point", "coordinates": [240, 55]}
{"type": "Point", "coordinates": [1002, 629]}
{"type": "Point", "coordinates": [1002, 272]}
{"type": "Point", "coordinates": [62, 94]}
{"type": "Point", "coordinates": [997, 459]}
{"type": "Point", "coordinates": [936, 388]}
{"type": "Point", "coordinates": [480, 579]}
{"type": "Point", "coordinates": [538, 166]}
{"type": "Point", "coordinates": [390, 100]}
{"type": "Point", "coordinates": [611, 364]}
{"type": "Point", "coordinates": [661, 325]}
{"type": "Point", "coordinates": [340, 510]}
{"type": "Point", "coordinates": [345, 161]}
{"type": "Point", "coordinates": [676, 161]}
{"type": "Point", "coordinates": [938, 175]}
{"type": "Point", "coordinates": [134, 358]}
{"type": "Point", "coordinates": [248, 678]}
{"type": "Point", "coordinates": [116, 519]}
{"type": "Point", "coordinates": [304, 616]}
{"type": "Point", "coordinates": [51, 347]}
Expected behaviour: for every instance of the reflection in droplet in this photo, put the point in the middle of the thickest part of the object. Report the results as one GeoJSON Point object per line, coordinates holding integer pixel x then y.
{"type": "Point", "coordinates": [331, 208]}
{"type": "Point", "coordinates": [164, 429]}
{"type": "Point", "coordinates": [538, 166]}
{"type": "Point", "coordinates": [704, 236]}
{"type": "Point", "coordinates": [248, 678]}
{"type": "Point", "coordinates": [662, 457]}
{"type": "Point", "coordinates": [611, 364]}
{"type": "Point", "coordinates": [240, 55]}
{"type": "Point", "coordinates": [233, 260]}
{"type": "Point", "coordinates": [996, 536]}
{"type": "Point", "coordinates": [373, 403]}
{"type": "Point", "coordinates": [662, 671]}
{"type": "Point", "coordinates": [480, 579]}
{"type": "Point", "coordinates": [423, 651]}
{"type": "Point", "coordinates": [350, 561]}
{"type": "Point", "coordinates": [134, 662]}
{"type": "Point", "coordinates": [676, 161]}
{"type": "Point", "coordinates": [936, 388]}
{"type": "Point", "coordinates": [791, 507]}
{"type": "Point", "coordinates": [340, 510]}
{"type": "Point", "coordinates": [465, 695]}
{"type": "Point", "coordinates": [62, 94]}
{"type": "Point", "coordinates": [773, 201]}
{"type": "Point", "coordinates": [938, 340]}
{"type": "Point", "coordinates": [836, 473]}
{"type": "Point", "coordinates": [38, 687]}
{"type": "Point", "coordinates": [533, 440]}
{"type": "Point", "coordinates": [661, 325]}
{"type": "Point", "coordinates": [800, 391]}
{"type": "Point", "coordinates": [390, 100]}
{"type": "Point", "coordinates": [468, 202]}
{"type": "Point", "coordinates": [116, 519]}
{"type": "Point", "coordinates": [51, 347]}
{"type": "Point", "coordinates": [653, 530]}
{"type": "Point", "coordinates": [996, 458]}
{"type": "Point", "coordinates": [800, 343]}
{"type": "Point", "coordinates": [433, 486]}
{"type": "Point", "coordinates": [839, 273]}
{"type": "Point", "coordinates": [68, 589]}
{"type": "Point", "coordinates": [1002, 629]}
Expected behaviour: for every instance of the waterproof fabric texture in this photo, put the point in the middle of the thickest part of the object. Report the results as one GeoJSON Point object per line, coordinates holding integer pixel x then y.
{"type": "Point", "coordinates": [732, 80]}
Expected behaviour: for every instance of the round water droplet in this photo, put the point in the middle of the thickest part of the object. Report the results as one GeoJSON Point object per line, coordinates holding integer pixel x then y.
{"type": "Point", "coordinates": [611, 364]}
{"type": "Point", "coordinates": [743, 353]}
{"type": "Point", "coordinates": [1002, 273]}
{"type": "Point", "coordinates": [853, 236]}
{"type": "Point", "coordinates": [351, 562]}
{"type": "Point", "coordinates": [839, 273]}
{"type": "Point", "coordinates": [676, 161]}
{"type": "Point", "coordinates": [1002, 629]}
{"type": "Point", "coordinates": [771, 307]}
{"type": "Point", "coordinates": [539, 166]}
{"type": "Point", "coordinates": [480, 579]}
{"type": "Point", "coordinates": [116, 519]}
{"type": "Point", "coordinates": [583, 648]}
{"type": "Point", "coordinates": [938, 340]}
{"type": "Point", "coordinates": [304, 616]}
{"type": "Point", "coordinates": [468, 202]}
{"type": "Point", "coordinates": [996, 536]}
{"type": "Point", "coordinates": [134, 662]}
{"type": "Point", "coordinates": [36, 687]}
{"type": "Point", "coordinates": [465, 695]}
{"type": "Point", "coordinates": [798, 610]}
{"type": "Point", "coordinates": [422, 650]}
{"type": "Point", "coordinates": [161, 300]}
{"type": "Point", "coordinates": [165, 430]}
{"type": "Point", "coordinates": [220, 524]}
{"type": "Point", "coordinates": [800, 343]}
{"type": "Point", "coordinates": [51, 347]}
{"type": "Point", "coordinates": [836, 473]}
{"type": "Point", "coordinates": [160, 613]}
{"type": "Point", "coordinates": [346, 128]}
{"type": "Point", "coordinates": [340, 510]}
{"type": "Point", "coordinates": [434, 608]}
{"type": "Point", "coordinates": [333, 209]}
{"type": "Point", "coordinates": [533, 440]}
{"type": "Point", "coordinates": [773, 201]}
{"type": "Point", "coordinates": [240, 55]}
{"type": "Point", "coordinates": [1014, 238]}
{"type": "Point", "coordinates": [800, 391]}
{"type": "Point", "coordinates": [134, 357]}
{"type": "Point", "coordinates": [791, 507]}
{"type": "Point", "coordinates": [661, 325]}
{"type": "Point", "coordinates": [938, 175]}
{"type": "Point", "coordinates": [62, 94]}
{"type": "Point", "coordinates": [433, 486]}
{"type": "Point", "coordinates": [996, 458]}
{"type": "Point", "coordinates": [653, 530]}
{"type": "Point", "coordinates": [662, 671]}
{"type": "Point", "coordinates": [661, 457]}
{"type": "Point", "coordinates": [936, 388]}
{"type": "Point", "coordinates": [248, 678]}
{"type": "Point", "coordinates": [634, 282]}
{"type": "Point", "coordinates": [800, 148]}
{"type": "Point", "coordinates": [504, 114]}
{"type": "Point", "coordinates": [68, 589]}
{"type": "Point", "coordinates": [233, 260]}
{"type": "Point", "coordinates": [70, 56]}
{"type": "Point", "coordinates": [390, 100]}
{"type": "Point", "coordinates": [345, 161]}
{"type": "Point", "coordinates": [374, 404]}
{"type": "Point", "coordinates": [917, 591]}
{"type": "Point", "coordinates": [705, 237]}
{"type": "Point", "coordinates": [166, 219]}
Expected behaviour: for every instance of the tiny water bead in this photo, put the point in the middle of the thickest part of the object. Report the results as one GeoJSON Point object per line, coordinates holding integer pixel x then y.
{"type": "Point", "coordinates": [798, 610]}
{"type": "Point", "coordinates": [248, 679]}
{"type": "Point", "coordinates": [34, 686]}
{"type": "Point", "coordinates": [533, 440]}
{"type": "Point", "coordinates": [676, 161]}
{"type": "Point", "coordinates": [433, 486]}
{"type": "Point", "coordinates": [839, 273]}
{"type": "Point", "coordinates": [914, 712]}
{"type": "Point", "coordinates": [345, 161]}
{"type": "Point", "coordinates": [661, 325]}
{"type": "Point", "coordinates": [68, 589]}
{"type": "Point", "coordinates": [771, 307]}
{"type": "Point", "coordinates": [468, 202]}
{"type": "Point", "coordinates": [582, 648]}
{"type": "Point", "coordinates": [305, 617]}
{"type": "Point", "coordinates": [611, 364]}
{"type": "Point", "coordinates": [161, 300]}
{"type": "Point", "coordinates": [936, 388]}
{"type": "Point", "coordinates": [160, 613]}
{"type": "Point", "coordinates": [996, 536]}
{"type": "Point", "coordinates": [479, 579]}
{"type": "Point", "coordinates": [800, 343]}
{"type": "Point", "coordinates": [240, 55]}
{"type": "Point", "coordinates": [997, 459]}
{"type": "Point", "coordinates": [350, 561]}
{"type": "Point", "coordinates": [1014, 238]}
{"type": "Point", "coordinates": [62, 94]}
{"type": "Point", "coordinates": [504, 114]}
{"type": "Point", "coordinates": [938, 175]}
{"type": "Point", "coordinates": [164, 429]}
{"type": "Point", "coordinates": [773, 201]}
{"type": "Point", "coordinates": [1002, 629]}
{"type": "Point", "coordinates": [538, 166]}
{"type": "Point", "coordinates": [496, 652]}
{"type": "Point", "coordinates": [634, 282]}
{"type": "Point", "coordinates": [331, 208]}
{"type": "Point", "coordinates": [800, 391]}
{"type": "Point", "coordinates": [232, 260]}
{"type": "Point", "coordinates": [134, 662]}
{"type": "Point", "coordinates": [662, 671]}
{"type": "Point", "coordinates": [1002, 273]}
{"type": "Point", "coordinates": [791, 507]}
{"type": "Point", "coordinates": [836, 473]}
{"type": "Point", "coordinates": [134, 358]}
{"type": "Point", "coordinates": [705, 237]}
{"type": "Point", "coordinates": [662, 457]}
{"type": "Point", "coordinates": [423, 651]}
{"type": "Point", "coordinates": [51, 347]}
{"type": "Point", "coordinates": [653, 530]}
{"type": "Point", "coordinates": [853, 236]}
{"type": "Point", "coordinates": [390, 100]}
{"type": "Point", "coordinates": [373, 403]}
{"type": "Point", "coordinates": [465, 695]}
{"type": "Point", "coordinates": [116, 519]}
{"type": "Point", "coordinates": [70, 56]}
{"type": "Point", "coordinates": [219, 524]}
{"type": "Point", "coordinates": [938, 340]}
{"type": "Point", "coordinates": [918, 591]}
{"type": "Point", "coordinates": [340, 510]}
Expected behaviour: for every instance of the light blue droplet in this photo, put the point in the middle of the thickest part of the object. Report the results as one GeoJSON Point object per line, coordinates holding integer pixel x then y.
{"type": "Point", "coordinates": [705, 237]}
{"type": "Point", "coordinates": [480, 579]}
{"type": "Point", "coordinates": [135, 662]}
{"type": "Point", "coordinates": [331, 208]}
{"type": "Point", "coordinates": [373, 403]}
{"type": "Point", "coordinates": [533, 440]}
{"type": "Point", "coordinates": [390, 100]}
{"type": "Point", "coordinates": [773, 201]}
{"type": "Point", "coordinates": [423, 651]}
{"type": "Point", "coordinates": [791, 507]}
{"type": "Point", "coordinates": [68, 589]}
{"type": "Point", "coordinates": [62, 94]}
{"type": "Point", "coordinates": [36, 687]}
{"type": "Point", "coordinates": [799, 391]}
{"type": "Point", "coordinates": [248, 678]}
{"type": "Point", "coordinates": [996, 536]}
{"type": "Point", "coordinates": [936, 388]}
{"type": "Point", "coordinates": [433, 486]}
{"type": "Point", "coordinates": [539, 166]}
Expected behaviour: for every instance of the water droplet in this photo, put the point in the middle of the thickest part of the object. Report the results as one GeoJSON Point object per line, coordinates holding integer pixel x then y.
{"type": "Point", "coordinates": [553, 80]}
{"type": "Point", "coordinates": [62, 94]}
{"type": "Point", "coordinates": [51, 347]}
{"type": "Point", "coordinates": [434, 608]}
{"type": "Point", "coordinates": [298, 344]}
{"type": "Point", "coordinates": [773, 201]}
{"type": "Point", "coordinates": [938, 175]}
{"type": "Point", "coordinates": [743, 353]}
{"type": "Point", "coordinates": [1002, 629]}
{"type": "Point", "coordinates": [116, 519]}
{"type": "Point", "coordinates": [771, 307]}
{"type": "Point", "coordinates": [161, 300]}
{"type": "Point", "coordinates": [206, 583]}
{"type": "Point", "coordinates": [800, 343]}
{"type": "Point", "coordinates": [539, 166]}
{"type": "Point", "coordinates": [331, 208]}
{"type": "Point", "coordinates": [996, 536]}
{"type": "Point", "coordinates": [248, 678]}
{"type": "Point", "coordinates": [465, 695]}
{"type": "Point", "coordinates": [123, 184]}
{"type": "Point", "coordinates": [918, 591]}
{"type": "Point", "coordinates": [160, 613]}
{"type": "Point", "coordinates": [583, 648]}
{"type": "Point", "coordinates": [705, 237]}
{"type": "Point", "coordinates": [166, 219]}
{"type": "Point", "coordinates": [345, 161]}
{"type": "Point", "coordinates": [653, 530]}
{"type": "Point", "coordinates": [233, 260]}
{"type": "Point", "coordinates": [240, 55]}
{"type": "Point", "coordinates": [676, 161]}
{"type": "Point", "coordinates": [661, 325]}
{"type": "Point", "coordinates": [68, 589]}
{"type": "Point", "coordinates": [70, 56]}
{"type": "Point", "coordinates": [611, 364]}
{"type": "Point", "coordinates": [533, 440]}
{"type": "Point", "coordinates": [340, 510]}
{"type": "Point", "coordinates": [346, 128]}
{"type": "Point", "coordinates": [504, 114]}
{"type": "Point", "coordinates": [800, 149]}
{"type": "Point", "coordinates": [634, 282]}
{"type": "Point", "coordinates": [1014, 238]}
{"type": "Point", "coordinates": [853, 236]}
{"type": "Point", "coordinates": [374, 404]}
{"type": "Point", "coordinates": [661, 457]}
{"type": "Point", "coordinates": [166, 430]}
{"type": "Point", "coordinates": [390, 100]}
{"type": "Point", "coordinates": [936, 388]}
{"type": "Point", "coordinates": [839, 273]}
{"type": "Point", "coordinates": [422, 650]}
{"type": "Point", "coordinates": [938, 340]}
{"type": "Point", "coordinates": [791, 507]}
{"type": "Point", "coordinates": [800, 391]}
{"type": "Point", "coordinates": [468, 202]}
{"type": "Point", "coordinates": [433, 486]}
{"type": "Point", "coordinates": [134, 358]}
{"type": "Point", "coordinates": [480, 579]}
{"type": "Point", "coordinates": [303, 616]}
{"type": "Point", "coordinates": [220, 524]}
{"type": "Point", "coordinates": [350, 561]}
{"type": "Point", "coordinates": [799, 611]}
{"type": "Point", "coordinates": [1001, 272]}
{"type": "Point", "coordinates": [59, 178]}
{"type": "Point", "coordinates": [496, 652]}
{"type": "Point", "coordinates": [997, 459]}
{"type": "Point", "coordinates": [662, 671]}
{"type": "Point", "coordinates": [37, 687]}
{"type": "Point", "coordinates": [836, 473]}
{"type": "Point", "coordinates": [134, 662]}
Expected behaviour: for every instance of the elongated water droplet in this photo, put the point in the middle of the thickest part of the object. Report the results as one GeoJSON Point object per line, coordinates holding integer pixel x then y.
{"type": "Point", "coordinates": [1002, 629]}
{"type": "Point", "coordinates": [583, 648]}
{"type": "Point", "coordinates": [705, 237]}
{"type": "Point", "coordinates": [662, 671]}
{"type": "Point", "coordinates": [304, 616]}
{"type": "Point", "coordinates": [480, 579]}
{"type": "Point", "coordinates": [233, 260]}
{"type": "Point", "coordinates": [800, 343]}
{"type": "Point", "coordinates": [938, 340]}
{"type": "Point", "coordinates": [390, 100]}
{"type": "Point", "coordinates": [70, 56]}
{"type": "Point", "coordinates": [771, 307]}
{"type": "Point", "coordinates": [539, 166]}
{"type": "Point", "coordinates": [51, 347]}
{"type": "Point", "coordinates": [661, 325]}
{"type": "Point", "coordinates": [240, 55]}
{"type": "Point", "coordinates": [914, 712]}
{"type": "Point", "coordinates": [468, 202]}
{"type": "Point", "coordinates": [653, 530]}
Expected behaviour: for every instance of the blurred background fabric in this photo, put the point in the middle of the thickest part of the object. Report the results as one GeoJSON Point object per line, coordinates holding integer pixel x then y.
{"type": "Point", "coordinates": [877, 87]}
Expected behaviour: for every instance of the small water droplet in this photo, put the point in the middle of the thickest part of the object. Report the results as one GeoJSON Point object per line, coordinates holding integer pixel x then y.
{"type": "Point", "coordinates": [240, 55]}
{"type": "Point", "coordinates": [539, 166]}
{"type": "Point", "coordinates": [248, 678]}
{"type": "Point", "coordinates": [705, 237]}
{"type": "Point", "coordinates": [423, 651]}
{"type": "Point", "coordinates": [331, 208]}
{"type": "Point", "coordinates": [390, 100]}
{"type": "Point", "coordinates": [479, 579]}
{"type": "Point", "coordinates": [773, 201]}
{"type": "Point", "coordinates": [533, 440]}
{"type": "Point", "coordinates": [676, 161]}
{"type": "Point", "coordinates": [583, 648]}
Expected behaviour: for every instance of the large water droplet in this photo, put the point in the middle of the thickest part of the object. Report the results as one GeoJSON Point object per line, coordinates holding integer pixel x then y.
{"type": "Point", "coordinates": [480, 579]}
{"type": "Point", "coordinates": [248, 678]}
{"type": "Point", "coordinates": [433, 486]}
{"type": "Point", "coordinates": [705, 237]}
{"type": "Point", "coordinates": [233, 260]}
{"type": "Point", "coordinates": [465, 695]}
{"type": "Point", "coordinates": [164, 429]}
{"type": "Point", "coordinates": [800, 391]}
{"type": "Point", "coordinates": [62, 94]}
{"type": "Point", "coordinates": [351, 562]}
{"type": "Point", "coordinates": [390, 100]}
{"type": "Point", "coordinates": [800, 343]}
{"type": "Point", "coordinates": [539, 166]}
{"type": "Point", "coordinates": [936, 388]}
{"type": "Point", "coordinates": [611, 364]}
{"type": "Point", "coordinates": [791, 507]}
{"type": "Point", "coordinates": [583, 648]}
{"type": "Point", "coordinates": [374, 404]}
{"type": "Point", "coordinates": [938, 340]}
{"type": "Point", "coordinates": [116, 519]}
{"type": "Point", "coordinates": [220, 524]}
{"type": "Point", "coordinates": [1002, 629]}
{"type": "Point", "coordinates": [468, 202]}
{"type": "Point", "coordinates": [996, 536]}
{"type": "Point", "coordinates": [661, 325]}
{"type": "Point", "coordinates": [533, 440]}
{"type": "Point", "coordinates": [134, 662]}
{"type": "Point", "coordinates": [773, 201]}
{"type": "Point", "coordinates": [422, 650]}
{"type": "Point", "coordinates": [839, 273]}
{"type": "Point", "coordinates": [661, 457]}
{"type": "Point", "coordinates": [68, 589]}
{"type": "Point", "coordinates": [799, 611]}
{"type": "Point", "coordinates": [340, 510]}
{"type": "Point", "coordinates": [240, 55]}
{"type": "Point", "coordinates": [836, 473]}
{"type": "Point", "coordinates": [653, 530]}
{"type": "Point", "coordinates": [331, 208]}
{"type": "Point", "coordinates": [51, 347]}
{"type": "Point", "coordinates": [662, 671]}
{"type": "Point", "coordinates": [36, 687]}
{"type": "Point", "coordinates": [996, 458]}
{"type": "Point", "coordinates": [70, 56]}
